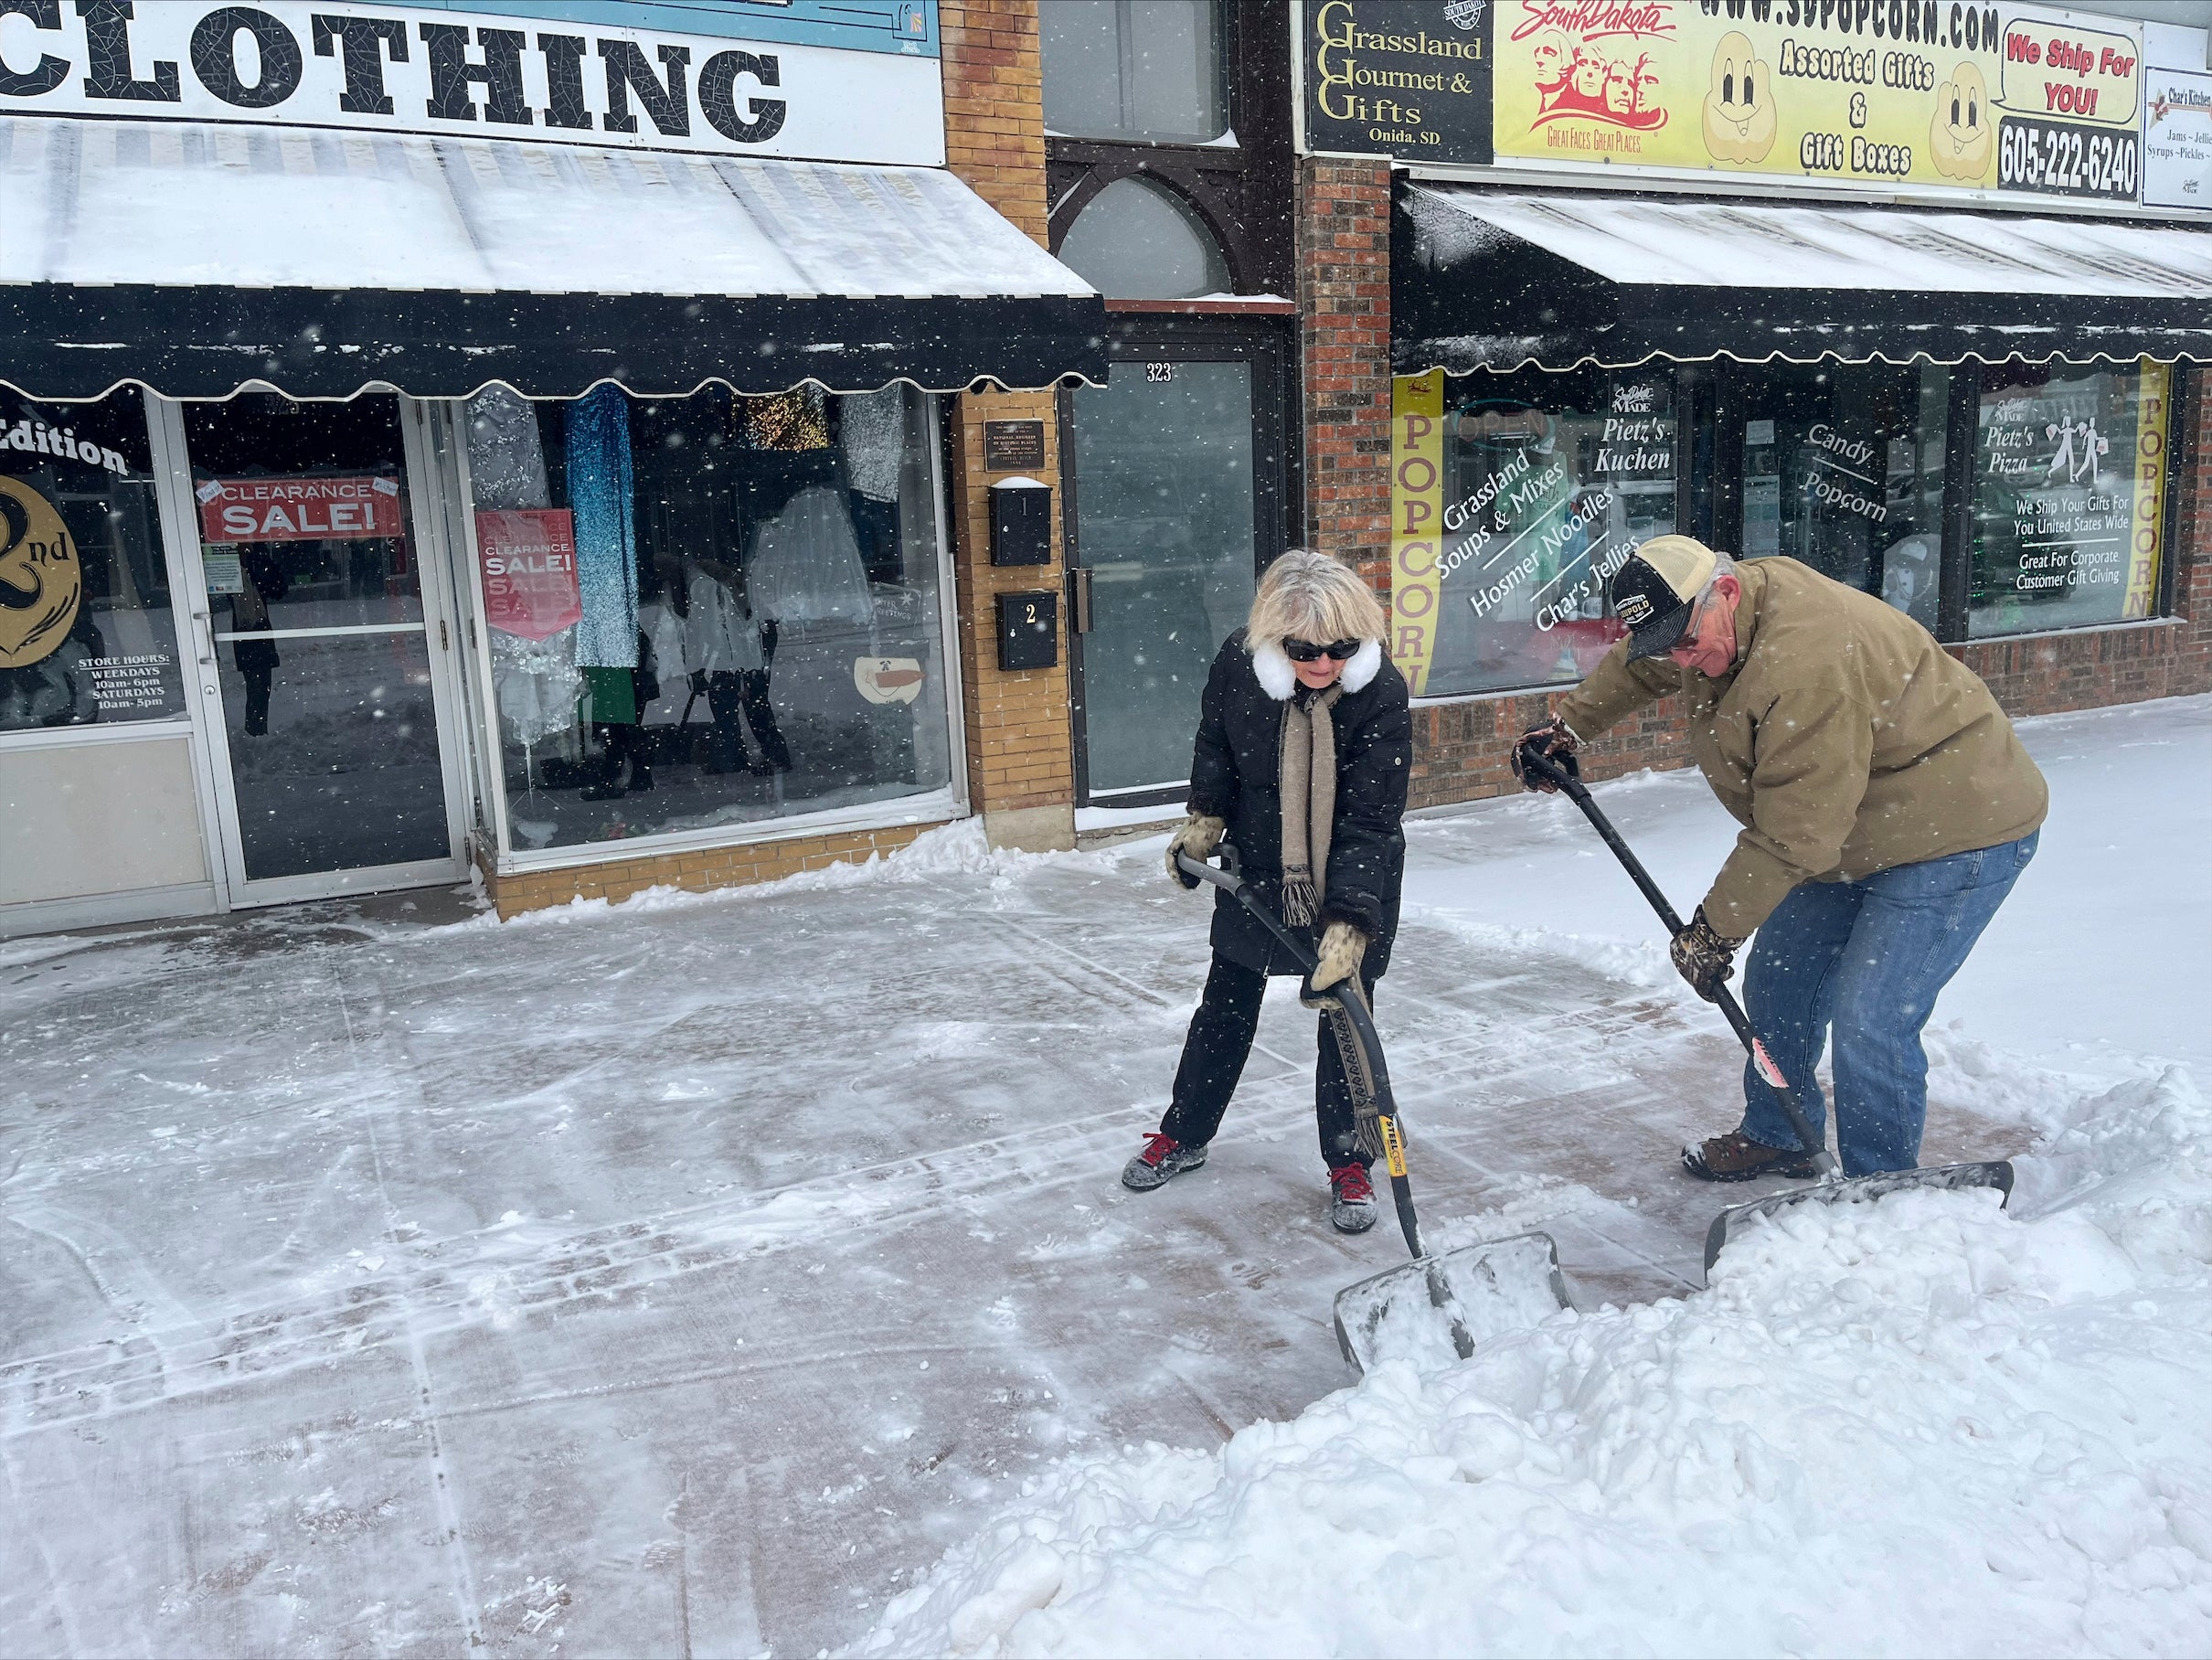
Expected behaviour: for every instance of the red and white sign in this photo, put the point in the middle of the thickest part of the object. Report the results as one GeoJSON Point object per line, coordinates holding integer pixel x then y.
{"type": "Point", "coordinates": [528, 556]}
{"type": "Point", "coordinates": [298, 509]}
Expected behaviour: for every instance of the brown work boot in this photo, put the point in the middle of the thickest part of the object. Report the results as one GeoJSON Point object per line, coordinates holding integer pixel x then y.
{"type": "Point", "coordinates": [1735, 1158]}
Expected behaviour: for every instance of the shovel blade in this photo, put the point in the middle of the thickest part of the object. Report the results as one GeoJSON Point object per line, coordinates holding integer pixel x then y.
{"type": "Point", "coordinates": [1434, 1311]}
{"type": "Point", "coordinates": [1854, 1190]}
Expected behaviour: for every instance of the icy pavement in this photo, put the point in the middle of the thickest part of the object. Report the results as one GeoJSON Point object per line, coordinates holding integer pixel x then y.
{"type": "Point", "coordinates": [689, 1277]}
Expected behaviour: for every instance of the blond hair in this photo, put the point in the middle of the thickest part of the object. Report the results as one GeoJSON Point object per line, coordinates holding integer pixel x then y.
{"type": "Point", "coordinates": [1312, 596]}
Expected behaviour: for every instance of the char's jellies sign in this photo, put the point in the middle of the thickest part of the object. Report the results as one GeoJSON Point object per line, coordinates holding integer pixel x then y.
{"type": "Point", "coordinates": [811, 78]}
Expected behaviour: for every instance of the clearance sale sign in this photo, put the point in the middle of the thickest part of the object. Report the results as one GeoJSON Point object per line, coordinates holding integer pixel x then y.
{"type": "Point", "coordinates": [1937, 94]}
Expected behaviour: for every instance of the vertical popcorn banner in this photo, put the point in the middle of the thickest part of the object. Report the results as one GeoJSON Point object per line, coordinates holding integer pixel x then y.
{"type": "Point", "coordinates": [2148, 517]}
{"type": "Point", "coordinates": [1417, 505]}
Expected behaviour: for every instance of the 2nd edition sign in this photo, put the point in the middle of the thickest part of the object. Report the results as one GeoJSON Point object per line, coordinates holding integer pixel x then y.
{"type": "Point", "coordinates": [403, 70]}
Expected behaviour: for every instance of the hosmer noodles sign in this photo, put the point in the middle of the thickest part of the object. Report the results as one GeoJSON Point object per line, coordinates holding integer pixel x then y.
{"type": "Point", "coordinates": [1884, 94]}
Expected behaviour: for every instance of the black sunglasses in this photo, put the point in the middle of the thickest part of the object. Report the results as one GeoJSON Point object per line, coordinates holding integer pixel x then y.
{"type": "Point", "coordinates": [1305, 651]}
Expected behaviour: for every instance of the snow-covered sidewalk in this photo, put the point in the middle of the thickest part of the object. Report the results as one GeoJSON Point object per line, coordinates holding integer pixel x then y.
{"type": "Point", "coordinates": [691, 1276]}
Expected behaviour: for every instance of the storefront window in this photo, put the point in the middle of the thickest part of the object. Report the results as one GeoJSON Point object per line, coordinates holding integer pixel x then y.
{"type": "Point", "coordinates": [1147, 69]}
{"type": "Point", "coordinates": [1842, 470]}
{"type": "Point", "coordinates": [2069, 496]}
{"type": "Point", "coordinates": [87, 634]}
{"type": "Point", "coordinates": [708, 610]}
{"type": "Point", "coordinates": [1539, 486]}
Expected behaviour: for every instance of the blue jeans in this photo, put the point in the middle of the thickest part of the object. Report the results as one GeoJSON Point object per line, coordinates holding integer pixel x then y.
{"type": "Point", "coordinates": [1867, 958]}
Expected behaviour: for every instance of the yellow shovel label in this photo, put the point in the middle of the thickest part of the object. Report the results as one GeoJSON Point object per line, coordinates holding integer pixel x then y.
{"type": "Point", "coordinates": [1394, 1150]}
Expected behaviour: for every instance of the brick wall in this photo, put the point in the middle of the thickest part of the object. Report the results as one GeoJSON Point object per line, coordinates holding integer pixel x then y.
{"type": "Point", "coordinates": [1343, 293]}
{"type": "Point", "coordinates": [1020, 745]}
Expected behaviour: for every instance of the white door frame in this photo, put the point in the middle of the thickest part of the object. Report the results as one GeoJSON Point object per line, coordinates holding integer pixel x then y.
{"type": "Point", "coordinates": [203, 689]}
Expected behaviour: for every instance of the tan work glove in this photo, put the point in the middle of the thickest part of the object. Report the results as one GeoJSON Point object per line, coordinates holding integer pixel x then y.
{"type": "Point", "coordinates": [1199, 836]}
{"type": "Point", "coordinates": [1343, 947]}
{"type": "Point", "coordinates": [1703, 956]}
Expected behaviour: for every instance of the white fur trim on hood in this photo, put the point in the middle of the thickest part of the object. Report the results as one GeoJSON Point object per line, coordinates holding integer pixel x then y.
{"type": "Point", "coordinates": [1278, 678]}
{"type": "Point", "coordinates": [1367, 663]}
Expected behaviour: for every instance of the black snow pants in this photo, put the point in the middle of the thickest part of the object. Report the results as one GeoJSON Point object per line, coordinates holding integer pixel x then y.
{"type": "Point", "coordinates": [1213, 1054]}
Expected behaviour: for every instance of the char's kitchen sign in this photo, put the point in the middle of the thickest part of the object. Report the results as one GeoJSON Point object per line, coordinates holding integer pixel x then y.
{"type": "Point", "coordinates": [1403, 78]}
{"type": "Point", "coordinates": [528, 559]}
{"type": "Point", "coordinates": [2178, 138]}
{"type": "Point", "coordinates": [298, 509]}
{"type": "Point", "coordinates": [1899, 96]}
{"type": "Point", "coordinates": [830, 80]}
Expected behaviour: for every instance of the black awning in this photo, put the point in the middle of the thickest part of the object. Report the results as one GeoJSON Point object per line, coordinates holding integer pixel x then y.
{"type": "Point", "coordinates": [62, 342]}
{"type": "Point", "coordinates": [1483, 279]}
{"type": "Point", "coordinates": [195, 259]}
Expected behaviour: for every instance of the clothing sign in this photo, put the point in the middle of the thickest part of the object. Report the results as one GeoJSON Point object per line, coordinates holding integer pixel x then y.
{"type": "Point", "coordinates": [298, 509]}
{"type": "Point", "coordinates": [1404, 78]}
{"type": "Point", "coordinates": [2178, 138]}
{"type": "Point", "coordinates": [397, 68]}
{"type": "Point", "coordinates": [1937, 96]}
{"type": "Point", "coordinates": [528, 557]}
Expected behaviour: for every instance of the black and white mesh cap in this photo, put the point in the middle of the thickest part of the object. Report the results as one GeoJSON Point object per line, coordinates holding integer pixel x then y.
{"type": "Point", "coordinates": [1655, 590]}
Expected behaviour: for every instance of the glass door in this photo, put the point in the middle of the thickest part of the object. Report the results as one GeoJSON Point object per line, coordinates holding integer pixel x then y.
{"type": "Point", "coordinates": [1173, 476]}
{"type": "Point", "coordinates": [323, 651]}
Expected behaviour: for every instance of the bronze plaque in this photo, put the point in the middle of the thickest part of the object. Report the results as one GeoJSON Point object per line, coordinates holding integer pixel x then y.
{"type": "Point", "coordinates": [1013, 446]}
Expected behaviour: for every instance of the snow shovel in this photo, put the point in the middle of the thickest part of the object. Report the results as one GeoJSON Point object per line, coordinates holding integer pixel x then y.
{"type": "Point", "coordinates": [1436, 1308]}
{"type": "Point", "coordinates": [1565, 773]}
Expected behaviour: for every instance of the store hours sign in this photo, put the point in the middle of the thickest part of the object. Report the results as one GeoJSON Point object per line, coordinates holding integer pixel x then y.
{"type": "Point", "coordinates": [490, 74]}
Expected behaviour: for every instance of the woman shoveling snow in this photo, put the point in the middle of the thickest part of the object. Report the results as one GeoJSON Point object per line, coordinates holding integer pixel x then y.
{"type": "Point", "coordinates": [1304, 752]}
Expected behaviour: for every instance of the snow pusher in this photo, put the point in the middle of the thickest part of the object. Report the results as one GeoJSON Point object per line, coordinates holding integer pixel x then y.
{"type": "Point", "coordinates": [1435, 1307]}
{"type": "Point", "coordinates": [1832, 1187]}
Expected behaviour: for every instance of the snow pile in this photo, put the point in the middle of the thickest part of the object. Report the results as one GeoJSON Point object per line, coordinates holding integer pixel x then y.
{"type": "Point", "coordinates": [1919, 1427]}
{"type": "Point", "coordinates": [958, 848]}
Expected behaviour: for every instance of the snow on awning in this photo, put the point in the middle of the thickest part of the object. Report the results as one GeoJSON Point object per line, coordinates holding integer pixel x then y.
{"type": "Point", "coordinates": [194, 259]}
{"type": "Point", "coordinates": [1486, 279]}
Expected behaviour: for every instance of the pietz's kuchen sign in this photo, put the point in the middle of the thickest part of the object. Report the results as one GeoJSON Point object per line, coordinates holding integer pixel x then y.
{"type": "Point", "coordinates": [494, 73]}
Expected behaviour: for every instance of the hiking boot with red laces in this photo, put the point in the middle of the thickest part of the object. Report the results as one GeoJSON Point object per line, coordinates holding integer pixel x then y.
{"type": "Point", "coordinates": [1162, 1160]}
{"type": "Point", "coordinates": [1352, 1204]}
{"type": "Point", "coordinates": [1735, 1158]}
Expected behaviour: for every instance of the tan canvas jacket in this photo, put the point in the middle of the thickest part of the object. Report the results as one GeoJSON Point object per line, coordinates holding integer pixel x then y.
{"type": "Point", "coordinates": [1845, 741]}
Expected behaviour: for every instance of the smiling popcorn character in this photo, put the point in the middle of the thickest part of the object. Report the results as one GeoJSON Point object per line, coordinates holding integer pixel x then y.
{"type": "Point", "coordinates": [1739, 104]}
{"type": "Point", "coordinates": [1958, 137]}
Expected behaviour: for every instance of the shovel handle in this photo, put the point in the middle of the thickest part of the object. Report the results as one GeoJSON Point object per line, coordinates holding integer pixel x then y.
{"type": "Point", "coordinates": [1226, 877]}
{"type": "Point", "coordinates": [1569, 782]}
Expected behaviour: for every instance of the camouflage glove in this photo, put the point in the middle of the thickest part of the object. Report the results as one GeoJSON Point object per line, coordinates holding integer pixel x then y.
{"type": "Point", "coordinates": [1552, 740]}
{"type": "Point", "coordinates": [1705, 958]}
{"type": "Point", "coordinates": [1343, 947]}
{"type": "Point", "coordinates": [1198, 835]}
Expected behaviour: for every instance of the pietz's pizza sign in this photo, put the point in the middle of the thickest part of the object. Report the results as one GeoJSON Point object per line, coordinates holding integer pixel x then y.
{"type": "Point", "coordinates": [497, 73]}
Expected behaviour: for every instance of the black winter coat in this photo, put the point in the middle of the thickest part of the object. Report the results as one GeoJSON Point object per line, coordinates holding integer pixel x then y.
{"type": "Point", "coordinates": [1236, 774]}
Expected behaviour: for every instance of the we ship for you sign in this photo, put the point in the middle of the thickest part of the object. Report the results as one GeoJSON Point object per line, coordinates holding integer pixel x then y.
{"type": "Point", "coordinates": [840, 84]}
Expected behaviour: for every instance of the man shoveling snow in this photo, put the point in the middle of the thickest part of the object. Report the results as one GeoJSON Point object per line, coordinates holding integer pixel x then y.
{"type": "Point", "coordinates": [1887, 809]}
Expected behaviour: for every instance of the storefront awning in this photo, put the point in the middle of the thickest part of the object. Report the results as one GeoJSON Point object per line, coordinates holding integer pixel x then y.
{"type": "Point", "coordinates": [1483, 279]}
{"type": "Point", "coordinates": [195, 259]}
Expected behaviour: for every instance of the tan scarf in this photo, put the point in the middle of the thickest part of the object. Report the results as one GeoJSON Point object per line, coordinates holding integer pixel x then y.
{"type": "Point", "coordinates": [1309, 802]}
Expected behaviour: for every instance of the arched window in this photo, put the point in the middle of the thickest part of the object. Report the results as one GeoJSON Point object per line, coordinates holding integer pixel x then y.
{"type": "Point", "coordinates": [1138, 241]}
